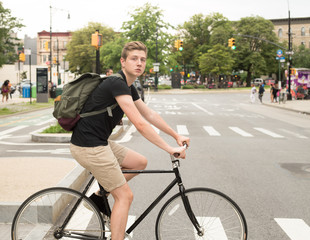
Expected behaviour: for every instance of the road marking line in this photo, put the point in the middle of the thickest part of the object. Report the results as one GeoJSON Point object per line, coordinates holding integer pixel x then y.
{"type": "Point", "coordinates": [20, 120]}
{"type": "Point", "coordinates": [213, 228]}
{"type": "Point", "coordinates": [241, 132]}
{"type": "Point", "coordinates": [156, 129]}
{"type": "Point", "coordinates": [295, 228]}
{"type": "Point", "coordinates": [12, 129]}
{"type": "Point", "coordinates": [294, 134]}
{"type": "Point", "coordinates": [202, 109]}
{"type": "Point", "coordinates": [272, 134]}
{"type": "Point", "coordinates": [182, 130]}
{"type": "Point", "coordinates": [211, 131]}
{"type": "Point", "coordinates": [47, 121]}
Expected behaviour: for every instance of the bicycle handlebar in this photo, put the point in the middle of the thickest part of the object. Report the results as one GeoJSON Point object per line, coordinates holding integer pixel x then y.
{"type": "Point", "coordinates": [175, 155]}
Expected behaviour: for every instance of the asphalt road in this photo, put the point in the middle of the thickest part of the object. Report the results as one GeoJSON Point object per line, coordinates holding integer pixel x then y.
{"type": "Point", "coordinates": [257, 155]}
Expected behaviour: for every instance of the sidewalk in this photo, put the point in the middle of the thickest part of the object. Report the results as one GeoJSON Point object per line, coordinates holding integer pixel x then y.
{"type": "Point", "coordinates": [301, 106]}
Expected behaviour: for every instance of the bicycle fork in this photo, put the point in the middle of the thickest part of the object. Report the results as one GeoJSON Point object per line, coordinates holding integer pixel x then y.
{"type": "Point", "coordinates": [187, 205]}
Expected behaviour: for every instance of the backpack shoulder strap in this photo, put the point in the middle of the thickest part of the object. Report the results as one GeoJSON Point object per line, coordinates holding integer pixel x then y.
{"type": "Point", "coordinates": [107, 109]}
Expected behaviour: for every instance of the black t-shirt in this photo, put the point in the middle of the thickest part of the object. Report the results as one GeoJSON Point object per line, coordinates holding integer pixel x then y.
{"type": "Point", "coordinates": [95, 130]}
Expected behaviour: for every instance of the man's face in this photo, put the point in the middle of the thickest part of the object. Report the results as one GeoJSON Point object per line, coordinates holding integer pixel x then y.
{"type": "Point", "coordinates": [134, 64]}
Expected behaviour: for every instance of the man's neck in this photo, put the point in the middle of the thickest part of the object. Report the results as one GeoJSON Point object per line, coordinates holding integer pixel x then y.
{"type": "Point", "coordinates": [130, 78]}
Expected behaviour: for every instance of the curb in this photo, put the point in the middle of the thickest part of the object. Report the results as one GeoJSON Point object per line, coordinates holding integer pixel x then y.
{"type": "Point", "coordinates": [76, 179]}
{"type": "Point", "coordinates": [37, 136]}
{"type": "Point", "coordinates": [289, 109]}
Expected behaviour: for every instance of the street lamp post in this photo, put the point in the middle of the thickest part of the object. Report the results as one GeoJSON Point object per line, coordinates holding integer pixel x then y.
{"type": "Point", "coordinates": [51, 52]}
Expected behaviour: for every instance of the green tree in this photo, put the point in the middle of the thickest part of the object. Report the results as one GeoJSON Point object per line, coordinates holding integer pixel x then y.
{"type": "Point", "coordinates": [201, 33]}
{"type": "Point", "coordinates": [80, 54]}
{"type": "Point", "coordinates": [301, 58]}
{"type": "Point", "coordinates": [216, 61]}
{"type": "Point", "coordinates": [255, 54]}
{"type": "Point", "coordinates": [146, 25]}
{"type": "Point", "coordinates": [8, 25]}
{"type": "Point", "coordinates": [110, 53]}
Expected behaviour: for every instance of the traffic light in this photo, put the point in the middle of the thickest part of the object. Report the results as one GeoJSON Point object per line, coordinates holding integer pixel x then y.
{"type": "Point", "coordinates": [230, 42]}
{"type": "Point", "coordinates": [46, 45]}
{"type": "Point", "coordinates": [180, 45]}
{"type": "Point", "coordinates": [177, 44]}
{"type": "Point", "coordinates": [233, 44]}
{"type": "Point", "coordinates": [22, 57]}
{"type": "Point", "coordinates": [96, 39]}
{"type": "Point", "coordinates": [54, 60]}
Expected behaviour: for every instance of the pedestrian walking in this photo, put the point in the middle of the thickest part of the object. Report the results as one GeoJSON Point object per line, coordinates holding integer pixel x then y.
{"type": "Point", "coordinates": [5, 90]}
{"type": "Point", "coordinates": [261, 92]}
{"type": "Point", "coordinates": [253, 91]}
{"type": "Point", "coordinates": [271, 92]}
{"type": "Point", "coordinates": [275, 92]}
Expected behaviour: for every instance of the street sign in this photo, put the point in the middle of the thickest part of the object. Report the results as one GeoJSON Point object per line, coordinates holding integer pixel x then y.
{"type": "Point", "coordinates": [289, 52]}
{"type": "Point", "coordinates": [27, 51]}
{"type": "Point", "coordinates": [279, 53]}
{"type": "Point", "coordinates": [156, 67]}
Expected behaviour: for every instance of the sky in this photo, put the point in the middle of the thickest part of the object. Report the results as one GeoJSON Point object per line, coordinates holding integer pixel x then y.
{"type": "Point", "coordinates": [36, 14]}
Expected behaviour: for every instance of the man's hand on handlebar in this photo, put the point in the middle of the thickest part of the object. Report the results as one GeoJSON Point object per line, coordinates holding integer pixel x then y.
{"type": "Point", "coordinates": [181, 140]}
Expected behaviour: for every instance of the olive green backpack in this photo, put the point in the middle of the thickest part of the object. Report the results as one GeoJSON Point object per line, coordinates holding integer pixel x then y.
{"type": "Point", "coordinates": [69, 104]}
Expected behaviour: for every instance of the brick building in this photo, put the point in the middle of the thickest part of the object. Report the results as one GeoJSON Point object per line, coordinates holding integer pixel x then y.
{"type": "Point", "coordinates": [300, 29]}
{"type": "Point", "coordinates": [59, 46]}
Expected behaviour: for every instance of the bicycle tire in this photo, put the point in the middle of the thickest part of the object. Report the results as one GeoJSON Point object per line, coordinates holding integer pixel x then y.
{"type": "Point", "coordinates": [218, 215]}
{"type": "Point", "coordinates": [40, 215]}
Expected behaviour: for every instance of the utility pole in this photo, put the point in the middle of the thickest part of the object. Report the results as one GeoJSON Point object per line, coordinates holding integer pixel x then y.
{"type": "Point", "coordinates": [289, 95]}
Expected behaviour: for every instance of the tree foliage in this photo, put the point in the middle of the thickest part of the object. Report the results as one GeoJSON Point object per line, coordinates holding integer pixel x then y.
{"type": "Point", "coordinates": [147, 25]}
{"type": "Point", "coordinates": [8, 24]}
{"type": "Point", "coordinates": [301, 58]}
{"type": "Point", "coordinates": [81, 55]}
{"type": "Point", "coordinates": [253, 54]}
{"type": "Point", "coordinates": [216, 61]}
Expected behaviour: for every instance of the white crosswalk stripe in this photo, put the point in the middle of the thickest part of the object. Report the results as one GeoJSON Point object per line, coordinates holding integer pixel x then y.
{"type": "Point", "coordinates": [270, 133]}
{"type": "Point", "coordinates": [182, 130]}
{"type": "Point", "coordinates": [14, 129]}
{"type": "Point", "coordinates": [296, 229]}
{"type": "Point", "coordinates": [241, 132]}
{"type": "Point", "coordinates": [211, 131]}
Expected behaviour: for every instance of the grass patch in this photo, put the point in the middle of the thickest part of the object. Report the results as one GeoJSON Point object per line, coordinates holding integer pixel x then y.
{"type": "Point", "coordinates": [24, 107]}
{"type": "Point", "coordinates": [55, 129]}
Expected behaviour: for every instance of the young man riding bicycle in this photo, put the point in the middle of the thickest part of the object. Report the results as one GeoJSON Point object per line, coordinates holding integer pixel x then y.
{"type": "Point", "coordinates": [90, 144]}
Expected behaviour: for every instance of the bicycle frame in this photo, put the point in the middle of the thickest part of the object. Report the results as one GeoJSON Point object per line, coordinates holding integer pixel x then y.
{"type": "Point", "coordinates": [176, 181]}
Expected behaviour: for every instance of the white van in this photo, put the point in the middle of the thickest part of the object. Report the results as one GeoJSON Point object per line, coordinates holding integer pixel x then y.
{"type": "Point", "coordinates": [257, 81]}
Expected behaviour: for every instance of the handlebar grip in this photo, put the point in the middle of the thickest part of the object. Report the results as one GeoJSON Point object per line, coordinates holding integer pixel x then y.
{"type": "Point", "coordinates": [177, 154]}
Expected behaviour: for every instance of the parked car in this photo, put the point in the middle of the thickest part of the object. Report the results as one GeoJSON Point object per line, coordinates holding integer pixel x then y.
{"type": "Point", "coordinates": [257, 81]}
{"type": "Point", "coordinates": [270, 81]}
{"type": "Point", "coordinates": [139, 88]}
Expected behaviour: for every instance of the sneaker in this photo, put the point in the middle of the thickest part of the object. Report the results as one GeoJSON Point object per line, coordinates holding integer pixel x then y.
{"type": "Point", "coordinates": [99, 203]}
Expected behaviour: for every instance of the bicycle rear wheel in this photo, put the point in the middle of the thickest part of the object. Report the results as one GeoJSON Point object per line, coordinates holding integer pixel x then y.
{"type": "Point", "coordinates": [219, 217]}
{"type": "Point", "coordinates": [41, 215]}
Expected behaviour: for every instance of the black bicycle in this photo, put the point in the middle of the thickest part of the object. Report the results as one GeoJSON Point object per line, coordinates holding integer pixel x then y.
{"type": "Point", "coordinates": [195, 213]}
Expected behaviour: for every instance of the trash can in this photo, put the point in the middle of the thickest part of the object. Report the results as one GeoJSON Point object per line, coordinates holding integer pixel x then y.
{"type": "Point", "coordinates": [53, 92]}
{"type": "Point", "coordinates": [58, 91]}
{"type": "Point", "coordinates": [26, 91]}
{"type": "Point", "coordinates": [33, 91]}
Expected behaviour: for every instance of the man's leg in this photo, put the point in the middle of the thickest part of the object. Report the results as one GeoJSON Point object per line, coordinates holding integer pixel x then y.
{"type": "Point", "coordinates": [133, 161]}
{"type": "Point", "coordinates": [123, 198]}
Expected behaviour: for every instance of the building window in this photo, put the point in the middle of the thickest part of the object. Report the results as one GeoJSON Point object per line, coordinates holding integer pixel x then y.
{"type": "Point", "coordinates": [280, 33]}
{"type": "Point", "coordinates": [303, 31]}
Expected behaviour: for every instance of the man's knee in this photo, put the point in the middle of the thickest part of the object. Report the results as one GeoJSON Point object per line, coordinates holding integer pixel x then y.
{"type": "Point", "coordinates": [123, 194]}
{"type": "Point", "coordinates": [143, 162]}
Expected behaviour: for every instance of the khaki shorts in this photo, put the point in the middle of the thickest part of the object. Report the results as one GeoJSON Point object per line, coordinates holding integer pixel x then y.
{"type": "Point", "coordinates": [104, 162]}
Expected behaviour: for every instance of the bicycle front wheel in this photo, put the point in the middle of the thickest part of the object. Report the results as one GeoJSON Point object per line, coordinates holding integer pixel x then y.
{"type": "Point", "coordinates": [218, 216]}
{"type": "Point", "coordinates": [43, 213]}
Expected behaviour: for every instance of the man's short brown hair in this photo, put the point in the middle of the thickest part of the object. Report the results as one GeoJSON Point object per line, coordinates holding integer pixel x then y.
{"type": "Point", "coordinates": [130, 46]}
